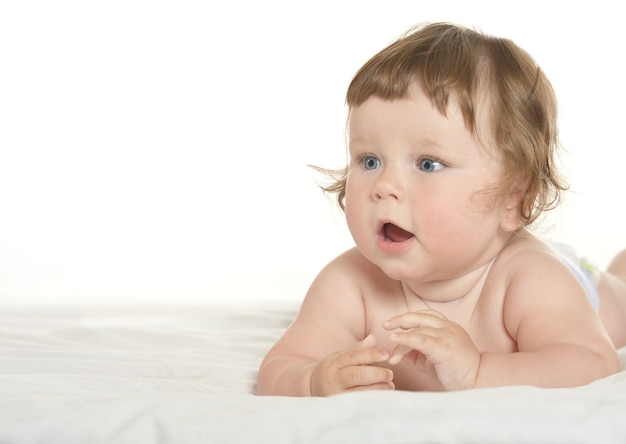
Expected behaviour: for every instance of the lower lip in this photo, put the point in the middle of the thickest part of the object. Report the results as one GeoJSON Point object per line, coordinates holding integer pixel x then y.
{"type": "Point", "coordinates": [388, 246]}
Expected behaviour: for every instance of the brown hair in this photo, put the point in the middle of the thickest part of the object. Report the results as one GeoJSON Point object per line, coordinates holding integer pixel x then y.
{"type": "Point", "coordinates": [450, 59]}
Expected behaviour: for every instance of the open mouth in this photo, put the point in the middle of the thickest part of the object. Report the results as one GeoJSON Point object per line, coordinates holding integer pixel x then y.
{"type": "Point", "coordinates": [394, 233]}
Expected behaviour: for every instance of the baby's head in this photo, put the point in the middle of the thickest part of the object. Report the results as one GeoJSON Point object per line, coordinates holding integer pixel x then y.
{"type": "Point", "coordinates": [479, 71]}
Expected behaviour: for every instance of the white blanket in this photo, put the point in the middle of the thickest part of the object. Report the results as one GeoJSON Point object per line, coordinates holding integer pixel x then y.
{"type": "Point", "coordinates": [186, 375]}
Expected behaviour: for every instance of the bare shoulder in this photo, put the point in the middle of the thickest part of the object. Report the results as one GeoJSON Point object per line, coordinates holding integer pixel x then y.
{"type": "Point", "coordinates": [537, 285]}
{"type": "Point", "coordinates": [350, 268]}
{"type": "Point", "coordinates": [344, 282]}
{"type": "Point", "coordinates": [526, 258]}
{"type": "Point", "coordinates": [349, 264]}
{"type": "Point", "coordinates": [332, 314]}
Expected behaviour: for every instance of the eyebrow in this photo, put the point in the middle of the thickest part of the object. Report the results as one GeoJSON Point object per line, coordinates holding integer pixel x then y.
{"type": "Point", "coordinates": [422, 143]}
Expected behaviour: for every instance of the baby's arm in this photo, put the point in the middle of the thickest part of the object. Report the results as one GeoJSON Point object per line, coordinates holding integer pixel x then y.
{"type": "Point", "coordinates": [326, 349]}
{"type": "Point", "coordinates": [560, 339]}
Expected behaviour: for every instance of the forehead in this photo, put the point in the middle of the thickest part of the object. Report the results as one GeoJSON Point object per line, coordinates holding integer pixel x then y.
{"type": "Point", "coordinates": [416, 115]}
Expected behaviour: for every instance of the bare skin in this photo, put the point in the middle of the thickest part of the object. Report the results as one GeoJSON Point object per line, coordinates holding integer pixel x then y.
{"type": "Point", "coordinates": [359, 328]}
{"type": "Point", "coordinates": [612, 290]}
{"type": "Point", "coordinates": [444, 290]}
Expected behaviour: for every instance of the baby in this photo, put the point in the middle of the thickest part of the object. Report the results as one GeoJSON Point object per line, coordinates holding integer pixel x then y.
{"type": "Point", "coordinates": [452, 138]}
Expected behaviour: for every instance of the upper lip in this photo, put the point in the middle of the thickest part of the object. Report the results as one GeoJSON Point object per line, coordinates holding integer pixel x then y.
{"type": "Point", "coordinates": [385, 223]}
{"type": "Point", "coordinates": [381, 226]}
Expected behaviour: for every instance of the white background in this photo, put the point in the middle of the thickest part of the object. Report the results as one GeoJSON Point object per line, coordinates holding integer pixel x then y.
{"type": "Point", "coordinates": [157, 151]}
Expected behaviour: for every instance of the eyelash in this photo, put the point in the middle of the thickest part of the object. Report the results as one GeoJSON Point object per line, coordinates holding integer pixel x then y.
{"type": "Point", "coordinates": [364, 157]}
{"type": "Point", "coordinates": [433, 160]}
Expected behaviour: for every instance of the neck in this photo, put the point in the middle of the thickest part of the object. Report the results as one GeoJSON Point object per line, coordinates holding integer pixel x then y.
{"type": "Point", "coordinates": [452, 291]}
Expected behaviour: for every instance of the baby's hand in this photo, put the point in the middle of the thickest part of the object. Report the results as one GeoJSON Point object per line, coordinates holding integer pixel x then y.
{"type": "Point", "coordinates": [435, 346]}
{"type": "Point", "coordinates": [352, 370]}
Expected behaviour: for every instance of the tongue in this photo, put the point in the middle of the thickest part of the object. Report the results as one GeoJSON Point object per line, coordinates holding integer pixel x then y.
{"type": "Point", "coordinates": [396, 234]}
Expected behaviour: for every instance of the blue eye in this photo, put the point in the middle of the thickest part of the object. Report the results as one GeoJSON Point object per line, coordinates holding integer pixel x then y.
{"type": "Point", "coordinates": [429, 165]}
{"type": "Point", "coordinates": [370, 162]}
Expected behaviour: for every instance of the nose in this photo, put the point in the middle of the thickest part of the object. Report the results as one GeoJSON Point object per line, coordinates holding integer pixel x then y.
{"type": "Point", "coordinates": [388, 185]}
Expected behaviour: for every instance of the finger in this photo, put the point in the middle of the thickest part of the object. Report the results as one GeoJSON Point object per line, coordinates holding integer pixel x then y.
{"type": "Point", "coordinates": [364, 375]}
{"type": "Point", "coordinates": [432, 312]}
{"type": "Point", "coordinates": [368, 342]}
{"type": "Point", "coordinates": [362, 353]}
{"type": "Point", "coordinates": [379, 386]}
{"type": "Point", "coordinates": [424, 340]}
{"type": "Point", "coordinates": [355, 356]}
{"type": "Point", "coordinates": [398, 353]}
{"type": "Point", "coordinates": [430, 318]}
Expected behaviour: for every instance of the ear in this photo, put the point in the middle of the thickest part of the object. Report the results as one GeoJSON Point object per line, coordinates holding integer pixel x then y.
{"type": "Point", "coordinates": [512, 218]}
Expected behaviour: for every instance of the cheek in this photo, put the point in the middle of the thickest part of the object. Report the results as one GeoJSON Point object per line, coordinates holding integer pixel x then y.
{"type": "Point", "coordinates": [354, 209]}
{"type": "Point", "coordinates": [354, 194]}
{"type": "Point", "coordinates": [455, 216]}
{"type": "Point", "coordinates": [350, 201]}
{"type": "Point", "coordinates": [484, 201]}
{"type": "Point", "coordinates": [441, 220]}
